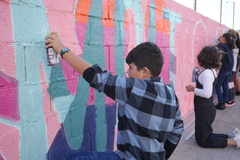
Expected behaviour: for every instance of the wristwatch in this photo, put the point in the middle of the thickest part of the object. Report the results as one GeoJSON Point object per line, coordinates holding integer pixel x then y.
{"type": "Point", "coordinates": [63, 51]}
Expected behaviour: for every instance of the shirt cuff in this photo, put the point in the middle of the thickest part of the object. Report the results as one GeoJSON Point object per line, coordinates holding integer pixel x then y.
{"type": "Point", "coordinates": [89, 73]}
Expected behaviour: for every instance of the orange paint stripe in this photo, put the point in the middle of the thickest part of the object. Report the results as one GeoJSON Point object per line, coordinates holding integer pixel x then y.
{"type": "Point", "coordinates": [82, 11]}
{"type": "Point", "coordinates": [162, 24]}
{"type": "Point", "coordinates": [108, 13]}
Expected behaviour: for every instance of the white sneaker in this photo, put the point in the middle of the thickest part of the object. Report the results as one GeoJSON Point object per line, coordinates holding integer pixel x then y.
{"type": "Point", "coordinates": [237, 139]}
{"type": "Point", "coordinates": [234, 132]}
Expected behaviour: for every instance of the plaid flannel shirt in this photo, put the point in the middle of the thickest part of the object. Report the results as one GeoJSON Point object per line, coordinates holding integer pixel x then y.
{"type": "Point", "coordinates": [148, 113]}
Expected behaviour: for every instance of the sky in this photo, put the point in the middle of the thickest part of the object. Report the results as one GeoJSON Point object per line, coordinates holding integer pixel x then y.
{"type": "Point", "coordinates": [238, 14]}
{"type": "Point", "coordinates": [237, 2]}
{"type": "Point", "coordinates": [211, 9]}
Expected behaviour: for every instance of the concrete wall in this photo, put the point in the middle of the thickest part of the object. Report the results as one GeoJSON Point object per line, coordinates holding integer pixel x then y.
{"type": "Point", "coordinates": [49, 112]}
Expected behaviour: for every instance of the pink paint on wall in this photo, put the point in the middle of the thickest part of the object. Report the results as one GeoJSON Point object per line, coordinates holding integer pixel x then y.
{"type": "Point", "coordinates": [194, 32]}
{"type": "Point", "coordinates": [9, 142]}
{"type": "Point", "coordinates": [129, 33]}
{"type": "Point", "coordinates": [126, 34]}
{"type": "Point", "coordinates": [163, 41]}
{"type": "Point", "coordinates": [109, 54]}
{"type": "Point", "coordinates": [67, 33]}
{"type": "Point", "coordinates": [108, 36]}
{"type": "Point", "coordinates": [80, 29]}
{"type": "Point", "coordinates": [7, 53]}
{"type": "Point", "coordinates": [185, 59]}
{"type": "Point", "coordinates": [81, 17]}
{"type": "Point", "coordinates": [91, 96]}
{"type": "Point", "coordinates": [9, 107]}
{"type": "Point", "coordinates": [52, 120]}
{"type": "Point", "coordinates": [130, 24]}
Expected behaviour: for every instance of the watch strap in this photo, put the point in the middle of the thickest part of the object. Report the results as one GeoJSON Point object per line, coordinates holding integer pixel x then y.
{"type": "Point", "coordinates": [63, 51]}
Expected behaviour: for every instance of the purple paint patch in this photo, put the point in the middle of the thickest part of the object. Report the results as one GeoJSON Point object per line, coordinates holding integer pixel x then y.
{"type": "Point", "coordinates": [111, 122]}
{"type": "Point", "coordinates": [9, 97]}
{"type": "Point", "coordinates": [59, 149]}
{"type": "Point", "coordinates": [89, 132]}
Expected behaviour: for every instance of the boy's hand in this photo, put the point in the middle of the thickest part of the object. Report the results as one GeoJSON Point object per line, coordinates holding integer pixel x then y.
{"type": "Point", "coordinates": [190, 88]}
{"type": "Point", "coordinates": [79, 64]}
{"type": "Point", "coordinates": [53, 40]}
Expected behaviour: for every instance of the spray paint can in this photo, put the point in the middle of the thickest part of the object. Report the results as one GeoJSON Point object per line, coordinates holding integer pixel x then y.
{"type": "Point", "coordinates": [194, 74]}
{"type": "Point", "coordinates": [52, 56]}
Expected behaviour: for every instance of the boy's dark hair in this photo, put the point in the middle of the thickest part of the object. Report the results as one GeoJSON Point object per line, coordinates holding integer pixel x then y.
{"type": "Point", "coordinates": [230, 39]}
{"type": "Point", "coordinates": [146, 54]}
{"type": "Point", "coordinates": [210, 57]}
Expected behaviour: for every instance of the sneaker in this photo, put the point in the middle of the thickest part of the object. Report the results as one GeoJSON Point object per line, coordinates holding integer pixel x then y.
{"type": "Point", "coordinates": [230, 103]}
{"type": "Point", "coordinates": [220, 106]}
{"type": "Point", "coordinates": [237, 139]}
{"type": "Point", "coordinates": [237, 93]}
{"type": "Point", "coordinates": [234, 133]}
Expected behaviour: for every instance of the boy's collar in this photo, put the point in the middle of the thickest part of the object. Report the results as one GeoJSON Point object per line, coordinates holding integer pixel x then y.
{"type": "Point", "coordinates": [154, 78]}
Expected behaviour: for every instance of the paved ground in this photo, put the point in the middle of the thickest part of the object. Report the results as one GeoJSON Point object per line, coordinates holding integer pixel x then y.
{"type": "Point", "coordinates": [226, 120]}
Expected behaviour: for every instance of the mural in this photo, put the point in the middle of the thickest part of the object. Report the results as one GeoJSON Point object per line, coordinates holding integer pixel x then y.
{"type": "Point", "coordinates": [50, 112]}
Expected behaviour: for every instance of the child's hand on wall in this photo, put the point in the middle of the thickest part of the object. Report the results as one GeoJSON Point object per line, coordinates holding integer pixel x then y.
{"type": "Point", "coordinates": [190, 88]}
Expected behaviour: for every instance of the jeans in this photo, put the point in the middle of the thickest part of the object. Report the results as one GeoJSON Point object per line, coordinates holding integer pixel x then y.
{"type": "Point", "coordinates": [93, 155]}
{"type": "Point", "coordinates": [222, 86]}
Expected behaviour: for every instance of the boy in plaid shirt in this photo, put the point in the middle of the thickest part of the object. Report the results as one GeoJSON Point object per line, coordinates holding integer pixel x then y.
{"type": "Point", "coordinates": [149, 124]}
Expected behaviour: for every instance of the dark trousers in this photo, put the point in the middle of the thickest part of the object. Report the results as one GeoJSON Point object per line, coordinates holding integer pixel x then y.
{"type": "Point", "coordinates": [205, 113]}
{"type": "Point", "coordinates": [169, 148]}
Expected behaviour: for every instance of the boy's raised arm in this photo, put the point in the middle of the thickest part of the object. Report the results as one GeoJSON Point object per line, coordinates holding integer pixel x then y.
{"type": "Point", "coordinates": [79, 64]}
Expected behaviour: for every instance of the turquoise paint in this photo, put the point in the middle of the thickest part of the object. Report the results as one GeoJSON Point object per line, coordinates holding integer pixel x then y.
{"type": "Point", "coordinates": [57, 85]}
{"type": "Point", "coordinates": [152, 23]}
{"type": "Point", "coordinates": [33, 140]}
{"type": "Point", "coordinates": [29, 22]}
{"type": "Point", "coordinates": [120, 60]}
{"type": "Point", "coordinates": [119, 38]}
{"type": "Point", "coordinates": [95, 54]}
{"type": "Point", "coordinates": [30, 27]}
{"type": "Point", "coordinates": [73, 124]}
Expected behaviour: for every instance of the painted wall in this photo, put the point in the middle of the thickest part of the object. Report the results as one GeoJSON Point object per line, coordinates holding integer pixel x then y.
{"type": "Point", "coordinates": [49, 112]}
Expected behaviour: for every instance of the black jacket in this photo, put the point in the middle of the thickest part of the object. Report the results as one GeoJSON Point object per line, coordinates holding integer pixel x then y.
{"type": "Point", "coordinates": [227, 58]}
